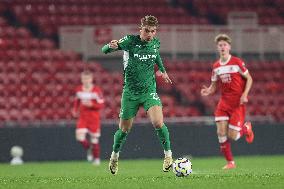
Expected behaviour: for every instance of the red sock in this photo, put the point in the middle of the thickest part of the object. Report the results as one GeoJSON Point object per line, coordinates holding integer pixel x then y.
{"type": "Point", "coordinates": [96, 150]}
{"type": "Point", "coordinates": [85, 144]}
{"type": "Point", "coordinates": [225, 148]}
{"type": "Point", "coordinates": [243, 131]}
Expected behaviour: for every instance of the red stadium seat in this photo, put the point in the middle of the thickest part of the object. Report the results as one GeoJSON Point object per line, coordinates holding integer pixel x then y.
{"type": "Point", "coordinates": [39, 79]}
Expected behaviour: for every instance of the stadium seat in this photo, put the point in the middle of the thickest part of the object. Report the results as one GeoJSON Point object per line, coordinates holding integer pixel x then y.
{"type": "Point", "coordinates": [38, 80]}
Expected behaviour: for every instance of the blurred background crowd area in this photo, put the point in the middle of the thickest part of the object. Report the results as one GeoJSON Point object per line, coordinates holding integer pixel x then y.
{"type": "Point", "coordinates": [38, 78]}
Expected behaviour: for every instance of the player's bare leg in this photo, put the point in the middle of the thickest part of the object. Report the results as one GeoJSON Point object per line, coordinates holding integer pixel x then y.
{"type": "Point", "coordinates": [225, 145]}
{"type": "Point", "coordinates": [246, 130]}
{"type": "Point", "coordinates": [236, 134]}
{"type": "Point", "coordinates": [156, 117]}
{"type": "Point", "coordinates": [119, 140]}
{"type": "Point", "coordinates": [81, 137]}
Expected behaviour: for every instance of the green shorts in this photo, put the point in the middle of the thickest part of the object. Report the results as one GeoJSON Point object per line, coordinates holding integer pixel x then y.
{"type": "Point", "coordinates": [130, 107]}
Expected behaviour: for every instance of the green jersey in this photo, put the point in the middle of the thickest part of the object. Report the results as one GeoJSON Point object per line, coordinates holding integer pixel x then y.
{"type": "Point", "coordinates": [139, 59]}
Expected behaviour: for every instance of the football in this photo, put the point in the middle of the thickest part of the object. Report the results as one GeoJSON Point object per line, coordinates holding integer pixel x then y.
{"type": "Point", "coordinates": [182, 167]}
{"type": "Point", "coordinates": [16, 151]}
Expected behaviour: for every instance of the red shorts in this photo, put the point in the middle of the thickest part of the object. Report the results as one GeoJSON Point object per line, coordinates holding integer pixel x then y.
{"type": "Point", "coordinates": [93, 127]}
{"type": "Point", "coordinates": [235, 116]}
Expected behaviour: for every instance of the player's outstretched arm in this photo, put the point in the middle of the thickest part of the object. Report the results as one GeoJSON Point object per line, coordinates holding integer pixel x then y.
{"type": "Point", "coordinates": [110, 47]}
{"type": "Point", "coordinates": [205, 91]}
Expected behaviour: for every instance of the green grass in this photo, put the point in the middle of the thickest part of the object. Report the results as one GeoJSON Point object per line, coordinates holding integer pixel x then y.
{"type": "Point", "coordinates": [252, 172]}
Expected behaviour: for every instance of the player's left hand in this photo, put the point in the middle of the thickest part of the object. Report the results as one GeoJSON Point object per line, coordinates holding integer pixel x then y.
{"type": "Point", "coordinates": [166, 78]}
{"type": "Point", "coordinates": [113, 44]}
{"type": "Point", "coordinates": [243, 99]}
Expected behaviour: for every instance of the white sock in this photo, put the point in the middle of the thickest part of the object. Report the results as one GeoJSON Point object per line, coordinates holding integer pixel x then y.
{"type": "Point", "coordinates": [168, 153]}
{"type": "Point", "coordinates": [114, 155]}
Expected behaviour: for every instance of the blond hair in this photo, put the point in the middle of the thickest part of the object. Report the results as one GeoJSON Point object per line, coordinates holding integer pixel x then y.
{"type": "Point", "coordinates": [223, 37]}
{"type": "Point", "coordinates": [149, 20]}
{"type": "Point", "coordinates": [86, 73]}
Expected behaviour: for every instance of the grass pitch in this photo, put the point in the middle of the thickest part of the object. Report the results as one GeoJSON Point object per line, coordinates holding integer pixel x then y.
{"type": "Point", "coordinates": [252, 172]}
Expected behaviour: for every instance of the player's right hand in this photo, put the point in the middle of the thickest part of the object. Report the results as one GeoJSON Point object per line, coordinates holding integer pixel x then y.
{"type": "Point", "coordinates": [74, 113]}
{"type": "Point", "coordinates": [244, 99]}
{"type": "Point", "coordinates": [205, 91]}
{"type": "Point", "coordinates": [166, 78]}
{"type": "Point", "coordinates": [113, 44]}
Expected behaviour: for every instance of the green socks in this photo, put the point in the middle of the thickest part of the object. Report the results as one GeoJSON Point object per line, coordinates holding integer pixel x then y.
{"type": "Point", "coordinates": [119, 140]}
{"type": "Point", "coordinates": [164, 136]}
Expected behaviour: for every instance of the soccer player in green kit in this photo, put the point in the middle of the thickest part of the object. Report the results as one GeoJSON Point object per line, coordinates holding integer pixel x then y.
{"type": "Point", "coordinates": [141, 53]}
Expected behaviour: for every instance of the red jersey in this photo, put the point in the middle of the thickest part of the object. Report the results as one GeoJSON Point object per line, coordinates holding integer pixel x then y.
{"type": "Point", "coordinates": [89, 114]}
{"type": "Point", "coordinates": [229, 75]}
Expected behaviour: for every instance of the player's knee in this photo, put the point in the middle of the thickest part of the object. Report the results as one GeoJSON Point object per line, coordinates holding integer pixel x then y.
{"type": "Point", "coordinates": [232, 134]}
{"type": "Point", "coordinates": [221, 133]}
{"type": "Point", "coordinates": [80, 137]}
{"type": "Point", "coordinates": [125, 129]}
{"type": "Point", "coordinates": [157, 124]}
{"type": "Point", "coordinates": [125, 126]}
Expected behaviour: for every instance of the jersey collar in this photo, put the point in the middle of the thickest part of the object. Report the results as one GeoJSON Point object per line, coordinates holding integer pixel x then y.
{"type": "Point", "coordinates": [224, 63]}
{"type": "Point", "coordinates": [145, 42]}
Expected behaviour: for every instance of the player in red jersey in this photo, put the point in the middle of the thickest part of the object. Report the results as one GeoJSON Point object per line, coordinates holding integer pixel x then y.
{"type": "Point", "coordinates": [232, 77]}
{"type": "Point", "coordinates": [88, 101]}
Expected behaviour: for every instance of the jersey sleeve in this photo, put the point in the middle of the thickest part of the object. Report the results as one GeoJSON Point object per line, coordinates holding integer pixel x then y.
{"type": "Point", "coordinates": [124, 43]}
{"type": "Point", "coordinates": [243, 70]}
{"type": "Point", "coordinates": [160, 64]}
{"type": "Point", "coordinates": [106, 49]}
{"type": "Point", "coordinates": [158, 60]}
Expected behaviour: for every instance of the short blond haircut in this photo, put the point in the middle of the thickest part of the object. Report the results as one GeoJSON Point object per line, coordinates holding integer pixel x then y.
{"type": "Point", "coordinates": [149, 20]}
{"type": "Point", "coordinates": [223, 37]}
{"type": "Point", "coordinates": [87, 73]}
